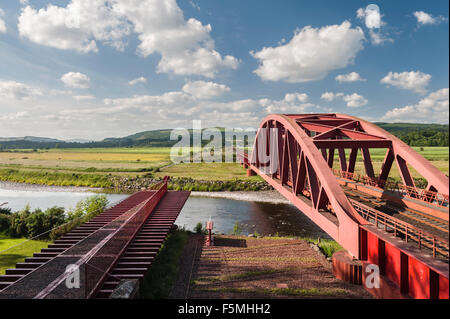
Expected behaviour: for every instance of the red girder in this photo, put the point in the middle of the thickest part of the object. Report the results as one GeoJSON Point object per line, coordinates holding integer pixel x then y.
{"type": "Point", "coordinates": [301, 149]}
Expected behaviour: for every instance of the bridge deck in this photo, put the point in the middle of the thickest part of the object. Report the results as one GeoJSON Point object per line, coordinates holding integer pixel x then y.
{"type": "Point", "coordinates": [431, 224]}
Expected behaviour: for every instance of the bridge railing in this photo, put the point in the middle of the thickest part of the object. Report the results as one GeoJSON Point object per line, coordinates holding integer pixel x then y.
{"type": "Point", "coordinates": [97, 268]}
{"type": "Point", "coordinates": [402, 229]}
{"type": "Point", "coordinates": [428, 196]}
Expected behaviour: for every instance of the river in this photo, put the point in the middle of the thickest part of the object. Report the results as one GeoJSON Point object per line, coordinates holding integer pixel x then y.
{"type": "Point", "coordinates": [262, 212]}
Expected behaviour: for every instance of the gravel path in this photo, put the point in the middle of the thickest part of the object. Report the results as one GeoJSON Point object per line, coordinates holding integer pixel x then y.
{"type": "Point", "coordinates": [254, 268]}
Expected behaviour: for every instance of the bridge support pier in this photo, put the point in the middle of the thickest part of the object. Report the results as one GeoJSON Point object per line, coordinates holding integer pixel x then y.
{"type": "Point", "coordinates": [357, 272]}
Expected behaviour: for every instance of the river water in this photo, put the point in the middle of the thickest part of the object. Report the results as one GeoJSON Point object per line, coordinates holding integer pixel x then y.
{"type": "Point", "coordinates": [265, 214]}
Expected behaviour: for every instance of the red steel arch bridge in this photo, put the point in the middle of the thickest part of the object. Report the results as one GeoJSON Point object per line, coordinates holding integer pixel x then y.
{"type": "Point", "coordinates": [398, 227]}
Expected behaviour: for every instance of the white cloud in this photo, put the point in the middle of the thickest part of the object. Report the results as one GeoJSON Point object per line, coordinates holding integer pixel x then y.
{"type": "Point", "coordinates": [330, 96]}
{"type": "Point", "coordinates": [372, 18]}
{"type": "Point", "coordinates": [205, 90]}
{"type": "Point", "coordinates": [414, 80]}
{"type": "Point", "coordinates": [424, 18]}
{"type": "Point", "coordinates": [14, 116]}
{"type": "Point", "coordinates": [138, 80]}
{"type": "Point", "coordinates": [185, 46]}
{"type": "Point", "coordinates": [296, 97]}
{"type": "Point", "coordinates": [352, 100]}
{"type": "Point", "coordinates": [311, 54]}
{"type": "Point", "coordinates": [194, 5]}
{"type": "Point", "coordinates": [76, 80]}
{"type": "Point", "coordinates": [378, 38]}
{"type": "Point", "coordinates": [83, 97]}
{"type": "Point", "coordinates": [355, 100]}
{"type": "Point", "coordinates": [76, 27]}
{"type": "Point", "coordinates": [350, 77]}
{"type": "Point", "coordinates": [2, 23]}
{"type": "Point", "coordinates": [18, 91]}
{"type": "Point", "coordinates": [433, 108]}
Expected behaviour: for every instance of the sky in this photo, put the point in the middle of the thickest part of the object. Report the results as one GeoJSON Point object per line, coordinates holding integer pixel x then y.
{"type": "Point", "coordinates": [93, 69]}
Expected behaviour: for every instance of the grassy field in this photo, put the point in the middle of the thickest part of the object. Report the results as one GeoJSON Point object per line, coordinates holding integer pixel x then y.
{"type": "Point", "coordinates": [10, 257]}
{"type": "Point", "coordinates": [94, 166]}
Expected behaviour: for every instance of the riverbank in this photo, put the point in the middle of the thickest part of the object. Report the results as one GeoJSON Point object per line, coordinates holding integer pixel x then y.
{"type": "Point", "coordinates": [250, 196]}
{"type": "Point", "coordinates": [14, 186]}
{"type": "Point", "coordinates": [267, 196]}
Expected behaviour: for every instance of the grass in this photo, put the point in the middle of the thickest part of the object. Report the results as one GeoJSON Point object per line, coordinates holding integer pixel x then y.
{"type": "Point", "coordinates": [54, 178]}
{"type": "Point", "coordinates": [158, 281]}
{"type": "Point", "coordinates": [9, 258]}
{"type": "Point", "coordinates": [93, 167]}
{"type": "Point", "coordinates": [327, 246]}
{"type": "Point", "coordinates": [208, 171]}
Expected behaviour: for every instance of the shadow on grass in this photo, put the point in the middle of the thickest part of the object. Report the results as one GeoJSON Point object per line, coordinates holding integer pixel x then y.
{"type": "Point", "coordinates": [230, 242]}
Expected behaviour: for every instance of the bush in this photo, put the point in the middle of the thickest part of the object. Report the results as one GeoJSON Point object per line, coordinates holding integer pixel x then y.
{"type": "Point", "coordinates": [5, 223]}
{"type": "Point", "coordinates": [83, 212]}
{"type": "Point", "coordinates": [237, 229]}
{"type": "Point", "coordinates": [199, 228]}
{"type": "Point", "coordinates": [5, 211]}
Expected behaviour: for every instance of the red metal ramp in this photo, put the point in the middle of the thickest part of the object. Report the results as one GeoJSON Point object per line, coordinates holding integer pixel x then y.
{"type": "Point", "coordinates": [49, 279]}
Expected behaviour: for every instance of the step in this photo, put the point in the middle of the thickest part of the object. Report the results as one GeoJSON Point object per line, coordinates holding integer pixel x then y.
{"type": "Point", "coordinates": [3, 285]}
{"type": "Point", "coordinates": [66, 241]}
{"type": "Point", "coordinates": [133, 264]}
{"type": "Point", "coordinates": [128, 276]}
{"type": "Point", "coordinates": [150, 243]}
{"type": "Point", "coordinates": [65, 246]}
{"type": "Point", "coordinates": [18, 271]}
{"type": "Point", "coordinates": [138, 254]}
{"type": "Point", "coordinates": [37, 260]}
{"type": "Point", "coordinates": [29, 265]}
{"type": "Point", "coordinates": [10, 278]}
{"type": "Point", "coordinates": [53, 250]}
{"type": "Point", "coordinates": [131, 271]}
{"type": "Point", "coordinates": [137, 259]}
{"type": "Point", "coordinates": [44, 254]}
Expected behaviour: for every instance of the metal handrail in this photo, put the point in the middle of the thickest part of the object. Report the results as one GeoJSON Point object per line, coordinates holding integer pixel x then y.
{"type": "Point", "coordinates": [422, 238]}
{"type": "Point", "coordinates": [96, 274]}
{"type": "Point", "coordinates": [428, 196]}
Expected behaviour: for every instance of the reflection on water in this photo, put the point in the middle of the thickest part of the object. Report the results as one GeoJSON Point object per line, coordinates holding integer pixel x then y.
{"type": "Point", "coordinates": [264, 218]}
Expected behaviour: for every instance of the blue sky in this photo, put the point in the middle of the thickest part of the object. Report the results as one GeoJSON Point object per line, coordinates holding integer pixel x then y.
{"type": "Point", "coordinates": [67, 66]}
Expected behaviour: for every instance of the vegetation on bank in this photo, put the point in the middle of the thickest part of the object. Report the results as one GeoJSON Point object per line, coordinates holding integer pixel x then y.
{"type": "Point", "coordinates": [159, 280]}
{"type": "Point", "coordinates": [51, 223]}
{"type": "Point", "coordinates": [26, 232]}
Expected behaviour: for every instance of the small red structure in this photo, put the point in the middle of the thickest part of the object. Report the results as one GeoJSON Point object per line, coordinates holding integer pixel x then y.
{"type": "Point", "coordinates": [209, 228]}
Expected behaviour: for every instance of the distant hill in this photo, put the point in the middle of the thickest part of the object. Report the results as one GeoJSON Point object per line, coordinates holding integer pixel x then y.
{"type": "Point", "coordinates": [30, 139]}
{"type": "Point", "coordinates": [411, 133]}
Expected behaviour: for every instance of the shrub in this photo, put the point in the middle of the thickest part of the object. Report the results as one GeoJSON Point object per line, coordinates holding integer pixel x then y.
{"type": "Point", "coordinates": [237, 229]}
{"type": "Point", "coordinates": [199, 228]}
